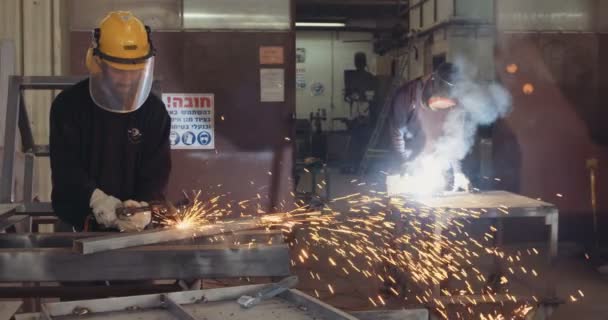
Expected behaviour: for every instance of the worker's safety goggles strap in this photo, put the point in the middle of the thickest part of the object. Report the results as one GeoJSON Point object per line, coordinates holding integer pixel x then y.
{"type": "Point", "coordinates": [99, 53]}
{"type": "Point", "coordinates": [120, 90]}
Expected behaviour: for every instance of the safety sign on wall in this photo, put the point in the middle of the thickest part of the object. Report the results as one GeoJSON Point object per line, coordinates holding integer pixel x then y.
{"type": "Point", "coordinates": [192, 119]}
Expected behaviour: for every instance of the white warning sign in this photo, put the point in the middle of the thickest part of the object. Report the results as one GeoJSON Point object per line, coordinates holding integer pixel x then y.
{"type": "Point", "coordinates": [192, 119]}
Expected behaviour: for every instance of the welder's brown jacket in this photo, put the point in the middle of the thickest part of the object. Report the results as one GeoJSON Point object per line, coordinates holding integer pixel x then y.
{"type": "Point", "coordinates": [414, 128]}
{"type": "Point", "coordinates": [126, 155]}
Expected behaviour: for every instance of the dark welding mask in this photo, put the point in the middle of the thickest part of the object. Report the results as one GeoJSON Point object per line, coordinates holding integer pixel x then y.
{"type": "Point", "coordinates": [438, 88]}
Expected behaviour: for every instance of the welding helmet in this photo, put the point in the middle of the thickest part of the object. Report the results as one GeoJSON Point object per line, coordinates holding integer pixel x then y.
{"type": "Point", "coordinates": [437, 91]}
{"type": "Point", "coordinates": [120, 63]}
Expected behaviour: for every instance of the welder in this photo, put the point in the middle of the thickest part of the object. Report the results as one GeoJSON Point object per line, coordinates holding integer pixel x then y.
{"type": "Point", "coordinates": [419, 110]}
{"type": "Point", "coordinates": [109, 141]}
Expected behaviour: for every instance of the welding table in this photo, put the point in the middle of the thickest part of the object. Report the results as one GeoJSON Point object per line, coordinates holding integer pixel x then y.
{"type": "Point", "coordinates": [211, 304]}
{"type": "Point", "coordinates": [50, 258]}
{"type": "Point", "coordinates": [491, 205]}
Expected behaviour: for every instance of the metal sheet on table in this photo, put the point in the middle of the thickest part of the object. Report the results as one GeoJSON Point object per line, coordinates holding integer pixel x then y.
{"type": "Point", "coordinates": [7, 210]}
{"type": "Point", "coordinates": [221, 304]}
{"type": "Point", "coordinates": [412, 314]}
{"type": "Point", "coordinates": [12, 220]}
{"type": "Point", "coordinates": [8, 309]}
{"type": "Point", "coordinates": [153, 314]}
{"type": "Point", "coordinates": [268, 310]}
{"type": "Point", "coordinates": [489, 199]}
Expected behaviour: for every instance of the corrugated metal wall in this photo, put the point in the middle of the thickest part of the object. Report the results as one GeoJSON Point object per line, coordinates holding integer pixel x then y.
{"type": "Point", "coordinates": [39, 31]}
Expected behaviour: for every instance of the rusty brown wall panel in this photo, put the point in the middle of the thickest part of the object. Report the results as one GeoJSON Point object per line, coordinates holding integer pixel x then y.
{"type": "Point", "coordinates": [553, 127]}
{"type": "Point", "coordinates": [250, 142]}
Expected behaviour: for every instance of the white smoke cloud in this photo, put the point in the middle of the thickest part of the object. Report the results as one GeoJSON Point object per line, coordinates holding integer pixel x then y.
{"type": "Point", "coordinates": [481, 103]}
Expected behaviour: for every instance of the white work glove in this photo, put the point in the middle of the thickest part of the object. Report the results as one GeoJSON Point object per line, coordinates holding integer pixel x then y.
{"type": "Point", "coordinates": [461, 182]}
{"type": "Point", "coordinates": [104, 208]}
{"type": "Point", "coordinates": [136, 222]}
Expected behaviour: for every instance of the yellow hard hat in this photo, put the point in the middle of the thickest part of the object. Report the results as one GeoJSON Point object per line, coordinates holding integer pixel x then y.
{"type": "Point", "coordinates": [122, 40]}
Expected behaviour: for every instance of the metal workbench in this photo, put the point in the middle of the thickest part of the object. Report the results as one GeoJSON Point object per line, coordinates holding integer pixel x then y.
{"type": "Point", "coordinates": [49, 259]}
{"type": "Point", "coordinates": [493, 205]}
{"type": "Point", "coordinates": [35, 258]}
{"type": "Point", "coordinates": [8, 309]}
{"type": "Point", "coordinates": [496, 205]}
{"type": "Point", "coordinates": [208, 304]}
{"type": "Point", "coordinates": [213, 304]}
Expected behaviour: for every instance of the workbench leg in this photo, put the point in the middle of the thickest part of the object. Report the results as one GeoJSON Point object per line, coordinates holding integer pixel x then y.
{"type": "Point", "coordinates": [31, 304]}
{"type": "Point", "coordinates": [313, 177]}
{"type": "Point", "coordinates": [498, 242]}
{"type": "Point", "coordinates": [25, 226]}
{"type": "Point", "coordinates": [552, 220]}
{"type": "Point", "coordinates": [327, 178]}
{"type": "Point", "coordinates": [438, 229]}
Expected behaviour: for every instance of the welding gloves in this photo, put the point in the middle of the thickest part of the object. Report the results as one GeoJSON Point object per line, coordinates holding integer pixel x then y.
{"type": "Point", "coordinates": [136, 222]}
{"type": "Point", "coordinates": [461, 182]}
{"type": "Point", "coordinates": [104, 208]}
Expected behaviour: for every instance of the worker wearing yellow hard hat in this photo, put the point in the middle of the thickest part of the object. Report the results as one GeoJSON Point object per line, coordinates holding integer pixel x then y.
{"type": "Point", "coordinates": [109, 140]}
{"type": "Point", "coordinates": [121, 63]}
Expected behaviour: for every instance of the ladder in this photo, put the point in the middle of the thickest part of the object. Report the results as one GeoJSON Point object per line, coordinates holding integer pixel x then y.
{"type": "Point", "coordinates": [371, 150]}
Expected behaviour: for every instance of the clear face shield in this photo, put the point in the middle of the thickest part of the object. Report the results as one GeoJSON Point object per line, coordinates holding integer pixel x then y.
{"type": "Point", "coordinates": [120, 88]}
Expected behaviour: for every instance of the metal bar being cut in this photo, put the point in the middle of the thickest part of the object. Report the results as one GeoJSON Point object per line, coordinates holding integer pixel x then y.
{"type": "Point", "coordinates": [126, 240]}
{"type": "Point", "coordinates": [66, 239]}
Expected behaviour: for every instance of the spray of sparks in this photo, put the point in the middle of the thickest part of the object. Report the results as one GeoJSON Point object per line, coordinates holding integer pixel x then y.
{"type": "Point", "coordinates": [384, 240]}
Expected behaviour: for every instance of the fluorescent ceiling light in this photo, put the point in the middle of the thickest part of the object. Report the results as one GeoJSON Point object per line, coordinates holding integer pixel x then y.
{"type": "Point", "coordinates": [321, 24]}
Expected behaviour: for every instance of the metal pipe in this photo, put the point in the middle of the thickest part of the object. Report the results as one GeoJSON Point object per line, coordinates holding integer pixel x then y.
{"type": "Point", "coordinates": [65, 239]}
{"type": "Point", "coordinates": [455, 21]}
{"type": "Point", "coordinates": [85, 291]}
{"type": "Point", "coordinates": [10, 131]}
{"type": "Point", "coordinates": [49, 82]}
{"type": "Point", "coordinates": [145, 263]}
{"type": "Point", "coordinates": [414, 6]}
{"type": "Point", "coordinates": [593, 165]}
{"type": "Point", "coordinates": [175, 309]}
{"type": "Point", "coordinates": [7, 210]}
{"type": "Point", "coordinates": [28, 177]}
{"type": "Point", "coordinates": [126, 240]}
{"type": "Point", "coordinates": [11, 221]}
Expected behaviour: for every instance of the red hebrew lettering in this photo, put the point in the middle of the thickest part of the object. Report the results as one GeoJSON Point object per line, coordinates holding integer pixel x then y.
{"type": "Point", "coordinates": [188, 102]}
{"type": "Point", "coordinates": [205, 102]}
{"type": "Point", "coordinates": [178, 103]}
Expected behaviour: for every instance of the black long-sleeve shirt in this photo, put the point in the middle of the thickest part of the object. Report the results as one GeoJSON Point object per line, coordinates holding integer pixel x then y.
{"type": "Point", "coordinates": [125, 155]}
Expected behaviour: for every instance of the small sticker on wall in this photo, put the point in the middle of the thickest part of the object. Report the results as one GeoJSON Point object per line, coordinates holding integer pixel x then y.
{"type": "Point", "coordinates": [300, 55]}
{"type": "Point", "coordinates": [271, 55]}
{"type": "Point", "coordinates": [317, 89]}
{"type": "Point", "coordinates": [300, 78]}
{"type": "Point", "coordinates": [272, 85]}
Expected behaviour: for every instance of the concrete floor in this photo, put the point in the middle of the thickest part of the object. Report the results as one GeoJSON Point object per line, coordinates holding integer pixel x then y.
{"type": "Point", "coordinates": [570, 273]}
